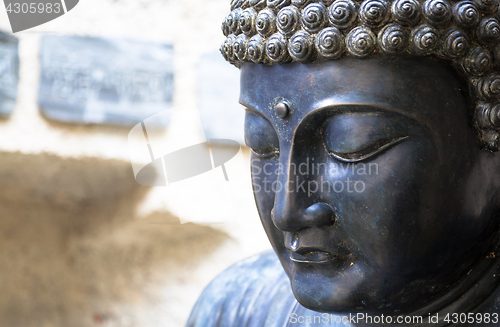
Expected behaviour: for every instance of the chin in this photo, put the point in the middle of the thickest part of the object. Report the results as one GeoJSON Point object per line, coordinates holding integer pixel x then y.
{"type": "Point", "coordinates": [352, 290]}
{"type": "Point", "coordinates": [326, 305]}
{"type": "Point", "coordinates": [338, 292]}
{"type": "Point", "coordinates": [314, 298]}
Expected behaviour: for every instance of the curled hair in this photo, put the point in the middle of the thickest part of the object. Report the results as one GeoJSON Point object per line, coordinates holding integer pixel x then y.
{"type": "Point", "coordinates": [464, 32]}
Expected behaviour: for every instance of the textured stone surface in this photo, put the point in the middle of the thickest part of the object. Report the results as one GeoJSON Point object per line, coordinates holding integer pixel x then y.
{"type": "Point", "coordinates": [174, 285]}
{"type": "Point", "coordinates": [101, 80]}
{"type": "Point", "coordinates": [73, 251]}
{"type": "Point", "coordinates": [219, 87]}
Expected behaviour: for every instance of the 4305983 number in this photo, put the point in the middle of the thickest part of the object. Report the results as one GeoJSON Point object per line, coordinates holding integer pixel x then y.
{"type": "Point", "coordinates": [471, 318]}
{"type": "Point", "coordinates": [33, 8]}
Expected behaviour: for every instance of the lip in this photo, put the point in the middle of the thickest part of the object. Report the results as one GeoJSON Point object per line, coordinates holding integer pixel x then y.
{"type": "Point", "coordinates": [312, 256]}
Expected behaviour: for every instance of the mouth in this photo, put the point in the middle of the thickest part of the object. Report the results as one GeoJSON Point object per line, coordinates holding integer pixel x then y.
{"type": "Point", "coordinates": [313, 256]}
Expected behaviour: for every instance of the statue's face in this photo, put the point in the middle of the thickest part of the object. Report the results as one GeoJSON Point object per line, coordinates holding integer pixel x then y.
{"type": "Point", "coordinates": [373, 190]}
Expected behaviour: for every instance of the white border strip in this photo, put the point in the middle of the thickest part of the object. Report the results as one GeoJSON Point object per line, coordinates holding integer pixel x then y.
{"type": "Point", "coordinates": [64, 6]}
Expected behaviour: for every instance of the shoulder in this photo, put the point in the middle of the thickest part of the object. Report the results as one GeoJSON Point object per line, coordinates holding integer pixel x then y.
{"type": "Point", "coordinates": [243, 294]}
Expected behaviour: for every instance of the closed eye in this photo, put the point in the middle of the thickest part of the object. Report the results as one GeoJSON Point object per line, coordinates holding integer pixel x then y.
{"type": "Point", "coordinates": [265, 153]}
{"type": "Point", "coordinates": [370, 151]}
{"type": "Point", "coordinates": [260, 136]}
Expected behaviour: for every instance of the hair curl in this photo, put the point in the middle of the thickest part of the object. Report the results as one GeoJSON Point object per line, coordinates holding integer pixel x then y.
{"type": "Point", "coordinates": [466, 33]}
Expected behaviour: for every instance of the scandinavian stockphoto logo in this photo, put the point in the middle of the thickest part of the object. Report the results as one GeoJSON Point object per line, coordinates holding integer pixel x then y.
{"type": "Point", "coordinates": [25, 14]}
{"type": "Point", "coordinates": [198, 180]}
{"type": "Point", "coordinates": [162, 169]}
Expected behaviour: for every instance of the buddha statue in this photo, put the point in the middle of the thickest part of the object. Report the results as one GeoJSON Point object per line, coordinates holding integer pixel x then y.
{"type": "Point", "coordinates": [374, 134]}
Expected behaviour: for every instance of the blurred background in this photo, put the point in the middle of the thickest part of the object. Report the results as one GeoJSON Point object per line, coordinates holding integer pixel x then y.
{"type": "Point", "coordinates": [81, 242]}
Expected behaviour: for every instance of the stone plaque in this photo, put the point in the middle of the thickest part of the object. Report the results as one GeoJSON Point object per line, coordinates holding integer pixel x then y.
{"type": "Point", "coordinates": [219, 87]}
{"type": "Point", "coordinates": [105, 81]}
{"type": "Point", "coordinates": [9, 73]}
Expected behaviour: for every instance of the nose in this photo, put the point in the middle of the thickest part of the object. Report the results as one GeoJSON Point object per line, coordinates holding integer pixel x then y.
{"type": "Point", "coordinates": [316, 215]}
{"type": "Point", "coordinates": [300, 196]}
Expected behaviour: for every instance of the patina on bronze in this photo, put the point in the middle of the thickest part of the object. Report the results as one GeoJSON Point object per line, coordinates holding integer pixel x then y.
{"type": "Point", "coordinates": [380, 188]}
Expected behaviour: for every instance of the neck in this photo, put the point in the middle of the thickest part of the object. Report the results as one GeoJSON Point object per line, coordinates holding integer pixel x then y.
{"type": "Point", "coordinates": [474, 294]}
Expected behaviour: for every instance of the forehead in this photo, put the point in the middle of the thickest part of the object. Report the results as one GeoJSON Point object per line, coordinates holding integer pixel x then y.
{"type": "Point", "coordinates": [424, 89]}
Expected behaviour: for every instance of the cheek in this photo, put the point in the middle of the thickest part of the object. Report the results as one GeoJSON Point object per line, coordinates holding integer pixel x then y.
{"type": "Point", "coordinates": [264, 177]}
{"type": "Point", "coordinates": [386, 211]}
{"type": "Point", "coordinates": [264, 181]}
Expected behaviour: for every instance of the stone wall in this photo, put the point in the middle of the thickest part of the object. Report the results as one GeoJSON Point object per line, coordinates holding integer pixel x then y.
{"type": "Point", "coordinates": [81, 243]}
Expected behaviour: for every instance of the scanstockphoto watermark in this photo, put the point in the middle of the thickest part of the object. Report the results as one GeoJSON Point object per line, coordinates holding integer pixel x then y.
{"type": "Point", "coordinates": [311, 177]}
{"type": "Point", "coordinates": [309, 187]}
{"type": "Point", "coordinates": [311, 167]}
{"type": "Point", "coordinates": [352, 319]}
{"type": "Point", "coordinates": [453, 318]}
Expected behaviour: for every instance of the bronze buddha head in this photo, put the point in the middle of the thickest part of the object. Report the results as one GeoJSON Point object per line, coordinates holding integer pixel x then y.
{"type": "Point", "coordinates": [373, 128]}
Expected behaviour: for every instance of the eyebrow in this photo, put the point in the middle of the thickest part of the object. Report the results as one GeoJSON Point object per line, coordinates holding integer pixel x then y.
{"type": "Point", "coordinates": [368, 107]}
